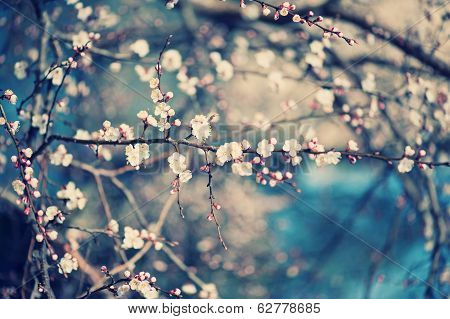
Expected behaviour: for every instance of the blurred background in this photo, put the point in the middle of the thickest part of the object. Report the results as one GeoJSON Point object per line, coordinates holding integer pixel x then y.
{"type": "Point", "coordinates": [354, 231]}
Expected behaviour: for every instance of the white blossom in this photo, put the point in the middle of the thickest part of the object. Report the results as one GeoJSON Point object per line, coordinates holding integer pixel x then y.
{"type": "Point", "coordinates": [10, 96]}
{"type": "Point", "coordinates": [153, 83]}
{"type": "Point", "coordinates": [56, 76]}
{"type": "Point", "coordinates": [188, 85]}
{"type": "Point", "coordinates": [156, 95]}
{"type": "Point", "coordinates": [185, 176]}
{"type": "Point", "coordinates": [40, 121]}
{"type": "Point", "coordinates": [162, 109]}
{"type": "Point", "coordinates": [326, 99]}
{"type": "Point", "coordinates": [140, 47]}
{"type": "Point", "coordinates": [352, 146]}
{"type": "Point", "coordinates": [126, 132]}
{"type": "Point", "coordinates": [328, 158]}
{"type": "Point", "coordinates": [242, 168]}
{"type": "Point", "coordinates": [19, 187]}
{"type": "Point", "coordinates": [409, 151]}
{"type": "Point", "coordinates": [225, 70]}
{"type": "Point", "coordinates": [113, 226]}
{"type": "Point", "coordinates": [67, 264]}
{"type": "Point", "coordinates": [177, 163]}
{"type": "Point", "coordinates": [264, 58]}
{"type": "Point", "coordinates": [405, 165]}
{"type": "Point", "coordinates": [142, 115]}
{"type": "Point", "coordinates": [20, 69]}
{"type": "Point", "coordinates": [265, 148]}
{"type": "Point", "coordinates": [296, 160]}
{"type": "Point", "coordinates": [171, 60]}
{"type": "Point", "coordinates": [151, 121]}
{"type": "Point", "coordinates": [201, 127]}
{"type": "Point", "coordinates": [132, 239]}
{"type": "Point", "coordinates": [51, 212]}
{"type": "Point", "coordinates": [73, 196]}
{"type": "Point", "coordinates": [292, 147]}
{"type": "Point", "coordinates": [84, 12]}
{"type": "Point", "coordinates": [82, 135]}
{"type": "Point", "coordinates": [14, 126]}
{"type": "Point", "coordinates": [369, 84]}
{"type": "Point", "coordinates": [145, 74]}
{"type": "Point", "coordinates": [137, 154]}
{"type": "Point", "coordinates": [227, 152]}
{"type": "Point", "coordinates": [61, 157]}
{"type": "Point", "coordinates": [80, 39]}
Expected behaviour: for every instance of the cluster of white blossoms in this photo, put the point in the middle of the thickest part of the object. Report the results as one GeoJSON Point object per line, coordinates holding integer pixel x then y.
{"type": "Point", "coordinates": [142, 283]}
{"type": "Point", "coordinates": [10, 96]}
{"type": "Point", "coordinates": [67, 264]}
{"type": "Point", "coordinates": [201, 127]}
{"type": "Point", "coordinates": [137, 154]}
{"type": "Point", "coordinates": [224, 69]}
{"type": "Point", "coordinates": [113, 134]}
{"type": "Point", "coordinates": [134, 238]}
{"type": "Point", "coordinates": [61, 157]}
{"type": "Point", "coordinates": [230, 151]}
{"type": "Point", "coordinates": [162, 110]}
{"type": "Point", "coordinates": [324, 158]}
{"type": "Point", "coordinates": [73, 196]}
{"type": "Point", "coordinates": [19, 186]}
{"type": "Point", "coordinates": [40, 121]}
{"type": "Point", "coordinates": [177, 163]}
{"type": "Point", "coordinates": [147, 119]}
{"type": "Point", "coordinates": [292, 147]}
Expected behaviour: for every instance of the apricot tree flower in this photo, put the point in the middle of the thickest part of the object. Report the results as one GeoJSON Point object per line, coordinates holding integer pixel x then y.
{"type": "Point", "coordinates": [67, 264]}
{"type": "Point", "coordinates": [177, 163]}
{"type": "Point", "coordinates": [405, 165]}
{"type": "Point", "coordinates": [73, 196]}
{"type": "Point", "coordinates": [292, 147]}
{"type": "Point", "coordinates": [19, 187]}
{"type": "Point", "coordinates": [51, 212]}
{"type": "Point", "coordinates": [171, 60]}
{"type": "Point", "coordinates": [137, 154]}
{"type": "Point", "coordinates": [265, 148]}
{"type": "Point", "coordinates": [227, 152]}
{"type": "Point", "coordinates": [132, 239]}
{"type": "Point", "coordinates": [242, 168]}
{"type": "Point", "coordinates": [201, 128]}
{"type": "Point", "coordinates": [140, 47]}
{"type": "Point", "coordinates": [61, 157]}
